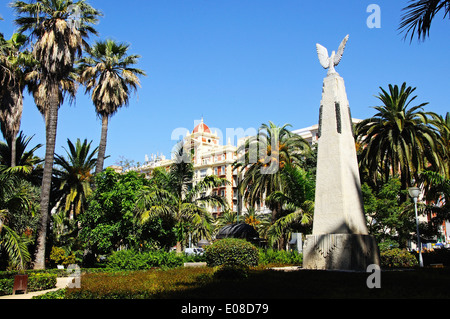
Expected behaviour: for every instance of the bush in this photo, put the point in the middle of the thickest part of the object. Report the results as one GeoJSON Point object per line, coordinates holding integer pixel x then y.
{"type": "Point", "coordinates": [133, 260]}
{"type": "Point", "coordinates": [232, 251]}
{"type": "Point", "coordinates": [279, 257]}
{"type": "Point", "coordinates": [36, 282]}
{"type": "Point", "coordinates": [398, 258]}
{"type": "Point", "coordinates": [59, 257]}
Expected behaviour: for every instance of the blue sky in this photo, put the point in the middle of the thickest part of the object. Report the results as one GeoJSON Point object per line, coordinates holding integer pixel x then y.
{"type": "Point", "coordinates": [243, 63]}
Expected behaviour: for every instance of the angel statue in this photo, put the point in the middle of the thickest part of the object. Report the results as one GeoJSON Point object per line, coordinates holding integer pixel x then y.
{"type": "Point", "coordinates": [330, 62]}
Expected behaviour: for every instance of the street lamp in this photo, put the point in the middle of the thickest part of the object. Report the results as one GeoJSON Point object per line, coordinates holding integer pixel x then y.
{"type": "Point", "coordinates": [414, 192]}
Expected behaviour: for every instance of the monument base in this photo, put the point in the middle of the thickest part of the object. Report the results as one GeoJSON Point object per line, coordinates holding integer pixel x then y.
{"type": "Point", "coordinates": [351, 252]}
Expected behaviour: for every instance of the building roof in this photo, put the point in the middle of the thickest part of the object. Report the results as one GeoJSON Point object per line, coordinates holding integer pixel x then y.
{"type": "Point", "coordinates": [202, 127]}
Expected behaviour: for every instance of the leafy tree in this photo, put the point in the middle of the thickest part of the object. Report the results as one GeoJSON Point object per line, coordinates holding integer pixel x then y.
{"type": "Point", "coordinates": [108, 74]}
{"type": "Point", "coordinates": [58, 42]}
{"type": "Point", "coordinates": [389, 219]}
{"type": "Point", "coordinates": [109, 222]}
{"type": "Point", "coordinates": [399, 139]}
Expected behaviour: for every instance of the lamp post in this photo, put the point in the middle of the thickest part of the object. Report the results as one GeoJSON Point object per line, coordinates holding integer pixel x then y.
{"type": "Point", "coordinates": [414, 192]}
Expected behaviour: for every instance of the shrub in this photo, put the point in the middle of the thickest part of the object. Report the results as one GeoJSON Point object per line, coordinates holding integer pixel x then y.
{"type": "Point", "coordinates": [397, 258]}
{"type": "Point", "coordinates": [36, 282]}
{"type": "Point", "coordinates": [280, 257]}
{"type": "Point", "coordinates": [57, 255]}
{"type": "Point", "coordinates": [231, 251]}
{"type": "Point", "coordinates": [133, 260]}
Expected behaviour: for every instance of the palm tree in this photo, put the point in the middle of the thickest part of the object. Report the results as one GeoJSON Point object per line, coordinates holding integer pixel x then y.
{"type": "Point", "coordinates": [264, 158]}
{"type": "Point", "coordinates": [297, 202]}
{"type": "Point", "coordinates": [399, 139]}
{"type": "Point", "coordinates": [58, 43]}
{"type": "Point", "coordinates": [14, 197]}
{"type": "Point", "coordinates": [74, 176]}
{"type": "Point", "coordinates": [419, 15]}
{"type": "Point", "coordinates": [107, 74]}
{"type": "Point", "coordinates": [443, 125]}
{"type": "Point", "coordinates": [181, 201]}
{"type": "Point", "coordinates": [27, 164]}
{"type": "Point", "coordinates": [14, 65]}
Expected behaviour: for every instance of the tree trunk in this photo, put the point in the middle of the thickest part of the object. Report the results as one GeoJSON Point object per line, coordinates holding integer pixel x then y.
{"type": "Point", "coordinates": [50, 129]}
{"type": "Point", "coordinates": [102, 146]}
{"type": "Point", "coordinates": [13, 151]}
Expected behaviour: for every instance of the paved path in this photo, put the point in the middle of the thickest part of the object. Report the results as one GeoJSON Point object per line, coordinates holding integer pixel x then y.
{"type": "Point", "coordinates": [60, 283]}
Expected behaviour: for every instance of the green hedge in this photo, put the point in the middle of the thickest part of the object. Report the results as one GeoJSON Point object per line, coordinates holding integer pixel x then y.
{"type": "Point", "coordinates": [133, 260]}
{"type": "Point", "coordinates": [36, 282]}
{"type": "Point", "coordinates": [232, 251]}
{"type": "Point", "coordinates": [280, 257]}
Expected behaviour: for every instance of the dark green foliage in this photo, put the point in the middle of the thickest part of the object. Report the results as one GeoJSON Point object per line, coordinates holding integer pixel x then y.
{"type": "Point", "coordinates": [397, 258]}
{"type": "Point", "coordinates": [232, 251]}
{"type": "Point", "coordinates": [279, 257]}
{"type": "Point", "coordinates": [110, 222]}
{"type": "Point", "coordinates": [132, 260]}
{"type": "Point", "coordinates": [36, 282]}
{"type": "Point", "coordinates": [389, 219]}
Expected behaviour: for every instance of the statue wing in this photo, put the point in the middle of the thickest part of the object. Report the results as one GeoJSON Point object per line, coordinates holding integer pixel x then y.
{"type": "Point", "coordinates": [340, 52]}
{"type": "Point", "coordinates": [322, 52]}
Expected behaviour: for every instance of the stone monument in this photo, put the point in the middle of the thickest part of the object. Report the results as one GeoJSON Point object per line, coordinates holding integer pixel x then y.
{"type": "Point", "coordinates": [340, 239]}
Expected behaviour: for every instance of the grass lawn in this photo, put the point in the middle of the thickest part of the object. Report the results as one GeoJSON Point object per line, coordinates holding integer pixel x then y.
{"type": "Point", "coordinates": [199, 283]}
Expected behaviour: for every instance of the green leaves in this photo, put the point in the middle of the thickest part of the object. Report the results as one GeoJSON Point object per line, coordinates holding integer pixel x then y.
{"type": "Point", "coordinates": [399, 138]}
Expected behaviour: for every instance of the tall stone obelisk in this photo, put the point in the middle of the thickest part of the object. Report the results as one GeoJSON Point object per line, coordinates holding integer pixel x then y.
{"type": "Point", "coordinates": [340, 237]}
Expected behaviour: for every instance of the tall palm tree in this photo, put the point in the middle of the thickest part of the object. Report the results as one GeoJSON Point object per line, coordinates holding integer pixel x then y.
{"type": "Point", "coordinates": [180, 201]}
{"type": "Point", "coordinates": [14, 65]}
{"type": "Point", "coordinates": [264, 158]}
{"type": "Point", "coordinates": [419, 15]}
{"type": "Point", "coordinates": [399, 139]}
{"type": "Point", "coordinates": [108, 74]}
{"type": "Point", "coordinates": [443, 125]}
{"type": "Point", "coordinates": [58, 43]}
{"type": "Point", "coordinates": [74, 176]}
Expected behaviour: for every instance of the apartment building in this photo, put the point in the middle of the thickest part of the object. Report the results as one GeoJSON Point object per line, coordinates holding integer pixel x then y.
{"type": "Point", "coordinates": [209, 157]}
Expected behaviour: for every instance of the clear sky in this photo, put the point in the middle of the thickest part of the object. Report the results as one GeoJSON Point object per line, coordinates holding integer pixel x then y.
{"type": "Point", "coordinates": [241, 63]}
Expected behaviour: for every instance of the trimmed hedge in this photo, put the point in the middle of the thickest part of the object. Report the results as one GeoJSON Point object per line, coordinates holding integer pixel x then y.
{"type": "Point", "coordinates": [232, 252]}
{"type": "Point", "coordinates": [280, 257]}
{"type": "Point", "coordinates": [133, 260]}
{"type": "Point", "coordinates": [36, 282]}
